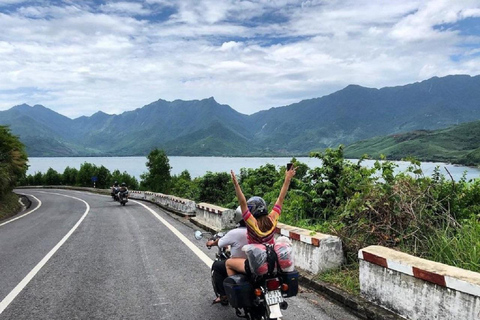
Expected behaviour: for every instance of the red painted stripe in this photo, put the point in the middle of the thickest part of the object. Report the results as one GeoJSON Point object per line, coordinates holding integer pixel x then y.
{"type": "Point", "coordinates": [429, 276]}
{"type": "Point", "coordinates": [294, 236]}
{"type": "Point", "coordinates": [370, 257]}
{"type": "Point", "coordinates": [316, 242]}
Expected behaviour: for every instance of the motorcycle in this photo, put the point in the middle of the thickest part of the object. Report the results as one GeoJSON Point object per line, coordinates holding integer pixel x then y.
{"type": "Point", "coordinates": [221, 255]}
{"type": "Point", "coordinates": [114, 193]}
{"type": "Point", "coordinates": [258, 297]}
{"type": "Point", "coordinates": [123, 197]}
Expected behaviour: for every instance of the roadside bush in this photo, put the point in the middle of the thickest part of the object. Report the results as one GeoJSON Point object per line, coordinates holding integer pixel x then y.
{"type": "Point", "coordinates": [215, 188]}
{"type": "Point", "coordinates": [184, 187]}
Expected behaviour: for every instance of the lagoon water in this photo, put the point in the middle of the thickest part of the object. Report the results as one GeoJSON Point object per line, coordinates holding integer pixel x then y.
{"type": "Point", "coordinates": [198, 166]}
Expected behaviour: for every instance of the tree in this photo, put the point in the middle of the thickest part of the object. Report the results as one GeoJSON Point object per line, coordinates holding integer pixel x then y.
{"type": "Point", "coordinates": [216, 188]}
{"type": "Point", "coordinates": [158, 178]}
{"type": "Point", "coordinates": [85, 174]}
{"type": "Point", "coordinates": [70, 176]}
{"type": "Point", "coordinates": [103, 177]}
{"type": "Point", "coordinates": [13, 160]}
{"type": "Point", "coordinates": [52, 178]}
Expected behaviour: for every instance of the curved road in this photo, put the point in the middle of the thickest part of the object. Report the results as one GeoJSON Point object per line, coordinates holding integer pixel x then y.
{"type": "Point", "coordinates": [77, 255]}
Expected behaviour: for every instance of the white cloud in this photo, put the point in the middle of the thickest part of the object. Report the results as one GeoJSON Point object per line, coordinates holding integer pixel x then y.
{"type": "Point", "coordinates": [134, 8]}
{"type": "Point", "coordinates": [253, 55]}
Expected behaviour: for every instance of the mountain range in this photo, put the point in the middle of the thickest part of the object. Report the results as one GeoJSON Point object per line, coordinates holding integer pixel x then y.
{"type": "Point", "coordinates": [205, 127]}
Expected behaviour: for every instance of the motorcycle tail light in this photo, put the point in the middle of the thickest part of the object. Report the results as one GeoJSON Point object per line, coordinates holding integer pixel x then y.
{"type": "Point", "coordinates": [284, 287]}
{"type": "Point", "coordinates": [258, 292]}
{"type": "Point", "coordinates": [273, 284]}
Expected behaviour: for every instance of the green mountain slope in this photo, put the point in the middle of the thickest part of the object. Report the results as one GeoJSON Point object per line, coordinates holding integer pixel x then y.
{"type": "Point", "coordinates": [356, 113]}
{"type": "Point", "coordinates": [458, 144]}
{"type": "Point", "coordinates": [344, 117]}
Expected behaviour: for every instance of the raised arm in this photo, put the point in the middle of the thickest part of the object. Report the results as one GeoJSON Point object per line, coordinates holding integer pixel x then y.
{"type": "Point", "coordinates": [240, 196]}
{"type": "Point", "coordinates": [289, 174]}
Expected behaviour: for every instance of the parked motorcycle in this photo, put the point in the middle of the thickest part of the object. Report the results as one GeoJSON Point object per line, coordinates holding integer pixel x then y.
{"type": "Point", "coordinates": [258, 297]}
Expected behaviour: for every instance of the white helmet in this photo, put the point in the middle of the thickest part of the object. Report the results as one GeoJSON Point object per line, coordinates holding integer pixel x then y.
{"type": "Point", "coordinates": [238, 215]}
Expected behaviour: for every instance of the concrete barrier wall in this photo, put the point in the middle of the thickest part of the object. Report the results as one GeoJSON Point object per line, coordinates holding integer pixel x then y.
{"type": "Point", "coordinates": [215, 217]}
{"type": "Point", "coordinates": [182, 206]}
{"type": "Point", "coordinates": [314, 252]}
{"type": "Point", "coordinates": [416, 288]}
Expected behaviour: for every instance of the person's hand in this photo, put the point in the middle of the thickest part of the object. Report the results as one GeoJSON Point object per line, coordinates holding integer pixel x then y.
{"type": "Point", "coordinates": [289, 174]}
{"type": "Point", "coordinates": [234, 178]}
{"type": "Point", "coordinates": [210, 243]}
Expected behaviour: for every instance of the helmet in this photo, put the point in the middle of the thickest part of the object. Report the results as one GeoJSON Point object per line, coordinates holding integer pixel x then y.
{"type": "Point", "coordinates": [116, 184]}
{"type": "Point", "coordinates": [123, 184]}
{"type": "Point", "coordinates": [257, 206]}
{"type": "Point", "coordinates": [238, 215]}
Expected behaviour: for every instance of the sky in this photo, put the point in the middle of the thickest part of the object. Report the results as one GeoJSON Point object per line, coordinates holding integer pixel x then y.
{"type": "Point", "coordinates": [80, 57]}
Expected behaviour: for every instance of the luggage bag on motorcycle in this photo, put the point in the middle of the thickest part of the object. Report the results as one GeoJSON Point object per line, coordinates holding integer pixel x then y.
{"type": "Point", "coordinates": [239, 291]}
{"type": "Point", "coordinates": [291, 279]}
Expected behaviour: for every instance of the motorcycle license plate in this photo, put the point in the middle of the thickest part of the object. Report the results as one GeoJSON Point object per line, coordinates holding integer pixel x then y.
{"type": "Point", "coordinates": [273, 297]}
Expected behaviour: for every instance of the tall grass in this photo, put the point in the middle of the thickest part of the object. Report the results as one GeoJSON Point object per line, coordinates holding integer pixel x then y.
{"type": "Point", "coordinates": [459, 247]}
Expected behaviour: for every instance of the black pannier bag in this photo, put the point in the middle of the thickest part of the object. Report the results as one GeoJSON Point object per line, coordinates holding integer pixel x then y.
{"type": "Point", "coordinates": [291, 279]}
{"type": "Point", "coordinates": [239, 291]}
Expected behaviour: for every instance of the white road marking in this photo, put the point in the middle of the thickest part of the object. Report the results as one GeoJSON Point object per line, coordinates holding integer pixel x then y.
{"type": "Point", "coordinates": [13, 294]}
{"type": "Point", "coordinates": [25, 214]}
{"type": "Point", "coordinates": [206, 259]}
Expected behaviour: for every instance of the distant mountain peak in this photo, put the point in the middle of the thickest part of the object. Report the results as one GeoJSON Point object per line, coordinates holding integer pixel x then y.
{"type": "Point", "coordinates": [22, 107]}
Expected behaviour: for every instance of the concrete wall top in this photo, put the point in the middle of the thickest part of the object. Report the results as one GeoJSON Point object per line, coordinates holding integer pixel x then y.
{"type": "Point", "coordinates": [434, 272]}
{"type": "Point", "coordinates": [211, 208]}
{"type": "Point", "coordinates": [166, 196]}
{"type": "Point", "coordinates": [303, 235]}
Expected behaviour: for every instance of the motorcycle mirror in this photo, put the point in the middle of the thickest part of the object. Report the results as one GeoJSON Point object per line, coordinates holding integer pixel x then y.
{"type": "Point", "coordinates": [198, 235]}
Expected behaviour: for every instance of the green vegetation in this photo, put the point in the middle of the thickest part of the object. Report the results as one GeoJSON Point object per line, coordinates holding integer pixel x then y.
{"type": "Point", "coordinates": [80, 178]}
{"type": "Point", "coordinates": [457, 144]}
{"type": "Point", "coordinates": [158, 176]}
{"type": "Point", "coordinates": [13, 166]}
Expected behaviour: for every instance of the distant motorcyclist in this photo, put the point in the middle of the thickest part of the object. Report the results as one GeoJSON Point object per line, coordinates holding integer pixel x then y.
{"type": "Point", "coordinates": [123, 191]}
{"type": "Point", "coordinates": [236, 239]}
{"type": "Point", "coordinates": [114, 191]}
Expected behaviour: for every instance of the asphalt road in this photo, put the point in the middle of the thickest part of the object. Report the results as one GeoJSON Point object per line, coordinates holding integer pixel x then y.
{"type": "Point", "coordinates": [77, 255]}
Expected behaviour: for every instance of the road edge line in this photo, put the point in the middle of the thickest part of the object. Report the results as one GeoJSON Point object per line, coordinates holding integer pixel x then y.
{"type": "Point", "coordinates": [13, 294]}
{"type": "Point", "coordinates": [206, 259]}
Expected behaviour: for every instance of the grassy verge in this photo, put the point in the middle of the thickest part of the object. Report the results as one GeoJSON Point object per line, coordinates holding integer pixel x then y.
{"type": "Point", "coordinates": [345, 278]}
{"type": "Point", "coordinates": [9, 205]}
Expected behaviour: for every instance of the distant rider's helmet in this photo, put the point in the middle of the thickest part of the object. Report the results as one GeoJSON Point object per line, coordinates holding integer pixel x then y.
{"type": "Point", "coordinates": [115, 183]}
{"type": "Point", "coordinates": [257, 206]}
{"type": "Point", "coordinates": [124, 184]}
{"type": "Point", "coordinates": [238, 218]}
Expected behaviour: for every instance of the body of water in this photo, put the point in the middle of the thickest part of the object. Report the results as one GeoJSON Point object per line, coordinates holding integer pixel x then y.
{"type": "Point", "coordinates": [198, 166]}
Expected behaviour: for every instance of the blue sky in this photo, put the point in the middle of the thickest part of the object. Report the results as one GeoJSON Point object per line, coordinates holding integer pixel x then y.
{"type": "Point", "coordinates": [79, 57]}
